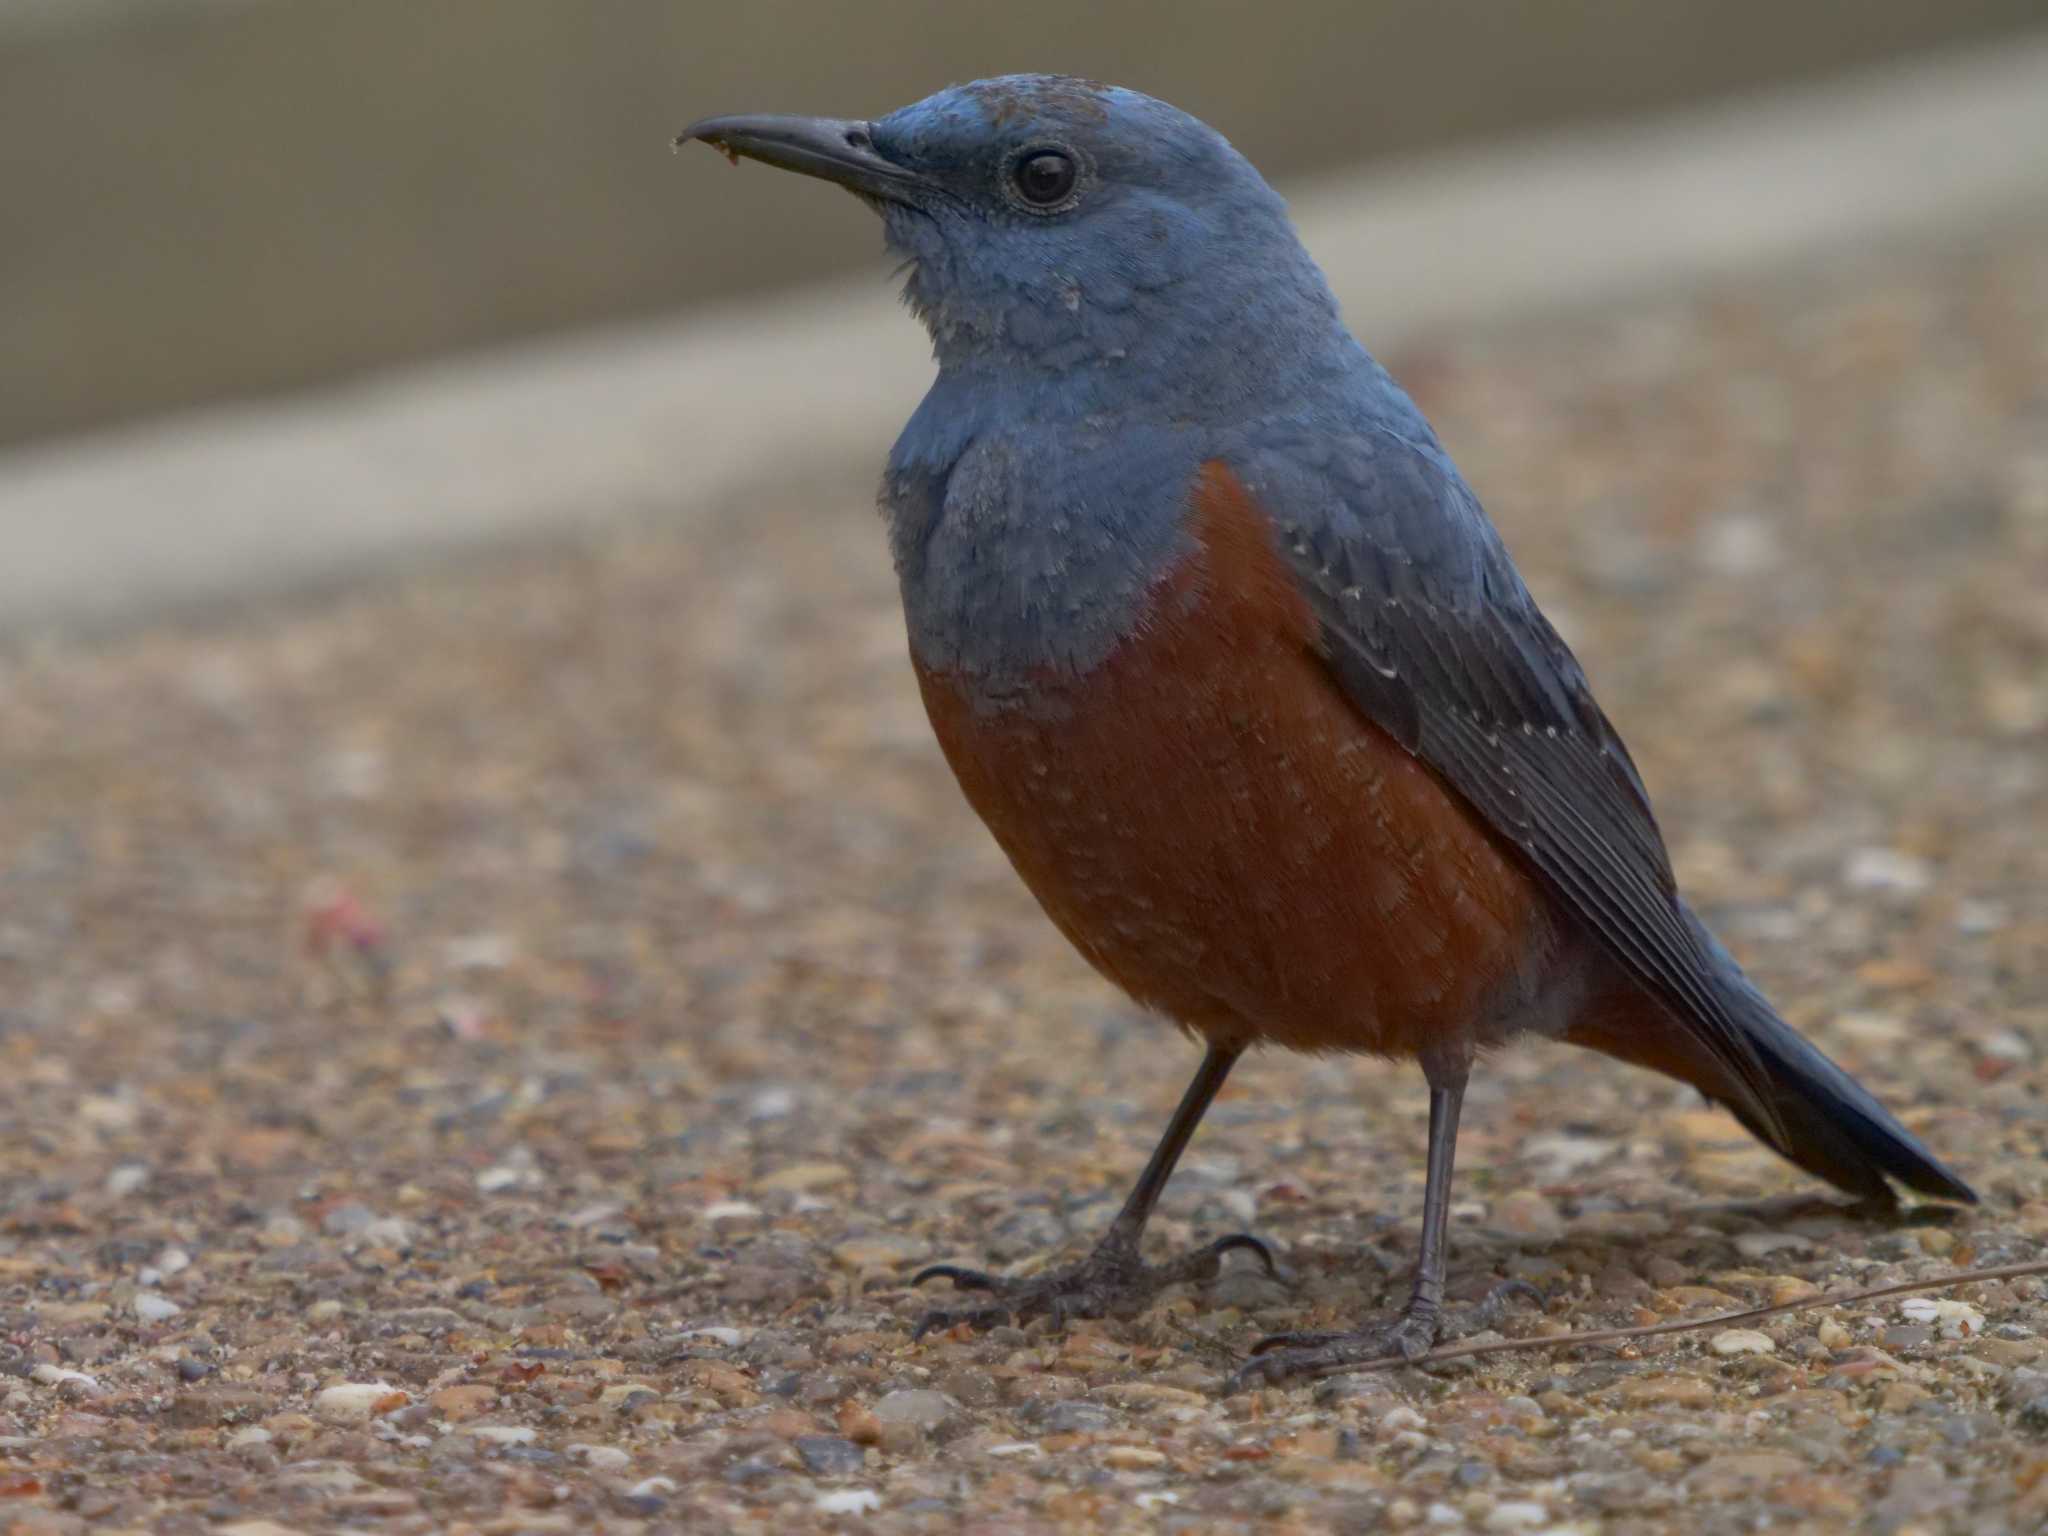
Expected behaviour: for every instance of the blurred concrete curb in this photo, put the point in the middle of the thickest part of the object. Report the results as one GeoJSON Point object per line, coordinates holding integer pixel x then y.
{"type": "Point", "coordinates": [667, 417]}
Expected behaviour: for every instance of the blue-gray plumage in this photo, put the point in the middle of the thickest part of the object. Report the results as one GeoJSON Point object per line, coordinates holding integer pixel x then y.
{"type": "Point", "coordinates": [1228, 656]}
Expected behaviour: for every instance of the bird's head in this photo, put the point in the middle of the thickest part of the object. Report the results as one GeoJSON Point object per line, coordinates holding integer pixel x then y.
{"type": "Point", "coordinates": [1053, 225]}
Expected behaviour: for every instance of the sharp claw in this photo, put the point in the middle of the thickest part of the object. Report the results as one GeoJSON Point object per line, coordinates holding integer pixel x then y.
{"type": "Point", "coordinates": [1250, 1244]}
{"type": "Point", "coordinates": [1110, 1282]}
{"type": "Point", "coordinates": [1256, 1372]}
{"type": "Point", "coordinates": [963, 1278]}
{"type": "Point", "coordinates": [1273, 1341]}
{"type": "Point", "coordinates": [1281, 1357]}
{"type": "Point", "coordinates": [1495, 1305]}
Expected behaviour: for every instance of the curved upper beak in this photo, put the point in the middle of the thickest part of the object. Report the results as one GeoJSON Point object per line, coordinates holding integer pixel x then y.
{"type": "Point", "coordinates": [832, 149]}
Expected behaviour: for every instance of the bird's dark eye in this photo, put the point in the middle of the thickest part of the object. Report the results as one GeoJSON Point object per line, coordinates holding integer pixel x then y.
{"type": "Point", "coordinates": [1045, 177]}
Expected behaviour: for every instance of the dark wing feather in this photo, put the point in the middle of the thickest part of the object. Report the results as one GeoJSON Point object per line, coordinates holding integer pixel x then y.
{"type": "Point", "coordinates": [1434, 636]}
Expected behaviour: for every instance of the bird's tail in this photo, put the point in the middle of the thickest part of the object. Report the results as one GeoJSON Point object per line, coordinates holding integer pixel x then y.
{"type": "Point", "coordinates": [1831, 1126]}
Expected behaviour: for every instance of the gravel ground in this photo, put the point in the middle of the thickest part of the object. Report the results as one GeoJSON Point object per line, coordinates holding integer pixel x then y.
{"type": "Point", "coordinates": [485, 1051]}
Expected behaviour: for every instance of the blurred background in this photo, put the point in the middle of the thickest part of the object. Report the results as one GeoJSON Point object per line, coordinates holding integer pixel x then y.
{"type": "Point", "coordinates": [291, 289]}
{"type": "Point", "coordinates": [212, 198]}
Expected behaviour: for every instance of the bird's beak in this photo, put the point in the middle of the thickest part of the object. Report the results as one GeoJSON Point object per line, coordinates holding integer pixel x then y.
{"type": "Point", "coordinates": [825, 147]}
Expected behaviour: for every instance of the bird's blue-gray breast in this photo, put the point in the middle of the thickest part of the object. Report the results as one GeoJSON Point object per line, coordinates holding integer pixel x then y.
{"type": "Point", "coordinates": [1088, 365]}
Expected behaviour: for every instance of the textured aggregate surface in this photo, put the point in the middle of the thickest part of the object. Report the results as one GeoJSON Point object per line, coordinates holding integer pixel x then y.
{"type": "Point", "coordinates": [486, 1050]}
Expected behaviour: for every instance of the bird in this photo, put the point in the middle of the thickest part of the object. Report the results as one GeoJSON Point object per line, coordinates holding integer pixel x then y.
{"type": "Point", "coordinates": [1225, 653]}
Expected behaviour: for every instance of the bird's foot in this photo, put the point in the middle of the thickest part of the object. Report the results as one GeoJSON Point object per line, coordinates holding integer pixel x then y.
{"type": "Point", "coordinates": [1111, 1282]}
{"type": "Point", "coordinates": [1291, 1356]}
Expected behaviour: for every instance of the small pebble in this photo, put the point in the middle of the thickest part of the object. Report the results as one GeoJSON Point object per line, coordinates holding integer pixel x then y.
{"type": "Point", "coordinates": [1527, 1215]}
{"type": "Point", "coordinates": [357, 1402]}
{"type": "Point", "coordinates": [155, 1307]}
{"type": "Point", "coordinates": [1077, 1417]}
{"type": "Point", "coordinates": [1133, 1458]}
{"type": "Point", "coordinates": [1887, 870]}
{"type": "Point", "coordinates": [501, 1434]}
{"type": "Point", "coordinates": [806, 1177]}
{"type": "Point", "coordinates": [847, 1501]}
{"type": "Point", "coordinates": [1742, 1341]}
{"type": "Point", "coordinates": [916, 1406]}
{"type": "Point", "coordinates": [127, 1179]}
{"type": "Point", "coordinates": [829, 1455]}
{"type": "Point", "coordinates": [1950, 1319]}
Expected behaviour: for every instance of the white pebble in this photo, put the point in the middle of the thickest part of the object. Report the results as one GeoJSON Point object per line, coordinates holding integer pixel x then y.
{"type": "Point", "coordinates": [652, 1488]}
{"type": "Point", "coordinates": [154, 1306]}
{"type": "Point", "coordinates": [731, 1338]}
{"type": "Point", "coordinates": [1516, 1516]}
{"type": "Point", "coordinates": [1155, 1498]}
{"type": "Point", "coordinates": [254, 1434]}
{"type": "Point", "coordinates": [848, 1501]}
{"type": "Point", "coordinates": [1242, 1204]}
{"type": "Point", "coordinates": [1887, 869]}
{"type": "Point", "coordinates": [127, 1179]}
{"type": "Point", "coordinates": [730, 1210]}
{"type": "Point", "coordinates": [1871, 1026]}
{"type": "Point", "coordinates": [605, 1458]}
{"type": "Point", "coordinates": [387, 1232]}
{"type": "Point", "coordinates": [174, 1261]}
{"type": "Point", "coordinates": [492, 1181]}
{"type": "Point", "coordinates": [1401, 1418]}
{"type": "Point", "coordinates": [1761, 1245]}
{"type": "Point", "coordinates": [1565, 1154]}
{"type": "Point", "coordinates": [1743, 1341]}
{"type": "Point", "coordinates": [357, 1402]}
{"type": "Point", "coordinates": [501, 1434]}
{"type": "Point", "coordinates": [1951, 1319]}
{"type": "Point", "coordinates": [1027, 1448]}
{"type": "Point", "coordinates": [2004, 1045]}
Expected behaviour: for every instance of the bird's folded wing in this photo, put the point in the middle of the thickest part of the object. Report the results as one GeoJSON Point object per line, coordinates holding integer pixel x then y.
{"type": "Point", "coordinates": [1433, 635]}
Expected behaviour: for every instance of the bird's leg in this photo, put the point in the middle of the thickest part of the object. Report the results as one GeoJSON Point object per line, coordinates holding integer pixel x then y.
{"type": "Point", "coordinates": [1112, 1280]}
{"type": "Point", "coordinates": [1422, 1322]}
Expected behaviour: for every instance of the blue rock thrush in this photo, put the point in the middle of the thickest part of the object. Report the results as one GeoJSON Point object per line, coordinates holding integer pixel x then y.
{"type": "Point", "coordinates": [1226, 655]}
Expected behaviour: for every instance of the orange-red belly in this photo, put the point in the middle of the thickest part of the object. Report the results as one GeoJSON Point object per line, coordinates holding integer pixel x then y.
{"type": "Point", "coordinates": [1221, 832]}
